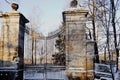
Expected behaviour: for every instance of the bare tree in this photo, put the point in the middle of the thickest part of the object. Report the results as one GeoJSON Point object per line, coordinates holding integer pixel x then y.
{"type": "Point", "coordinates": [113, 15]}
{"type": "Point", "coordinates": [91, 5]}
{"type": "Point", "coordinates": [108, 20]}
{"type": "Point", "coordinates": [35, 33]}
{"type": "Point", "coordinates": [7, 1]}
{"type": "Point", "coordinates": [104, 14]}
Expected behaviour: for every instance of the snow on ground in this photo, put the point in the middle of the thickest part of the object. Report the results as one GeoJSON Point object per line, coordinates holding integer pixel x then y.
{"type": "Point", "coordinates": [101, 70]}
{"type": "Point", "coordinates": [104, 71]}
{"type": "Point", "coordinates": [32, 74]}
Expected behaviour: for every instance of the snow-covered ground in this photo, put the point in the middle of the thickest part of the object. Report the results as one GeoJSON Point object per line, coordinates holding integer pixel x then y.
{"type": "Point", "coordinates": [40, 75]}
{"type": "Point", "coordinates": [103, 71]}
{"type": "Point", "coordinates": [117, 75]}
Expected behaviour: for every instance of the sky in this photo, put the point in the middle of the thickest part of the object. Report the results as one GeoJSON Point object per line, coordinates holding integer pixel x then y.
{"type": "Point", "coordinates": [47, 13]}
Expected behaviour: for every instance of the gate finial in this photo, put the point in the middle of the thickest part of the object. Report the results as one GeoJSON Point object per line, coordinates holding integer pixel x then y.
{"type": "Point", "coordinates": [14, 6]}
{"type": "Point", "coordinates": [73, 3]}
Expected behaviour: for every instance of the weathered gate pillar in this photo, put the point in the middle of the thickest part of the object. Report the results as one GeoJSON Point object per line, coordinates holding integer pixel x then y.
{"type": "Point", "coordinates": [78, 61]}
{"type": "Point", "coordinates": [12, 44]}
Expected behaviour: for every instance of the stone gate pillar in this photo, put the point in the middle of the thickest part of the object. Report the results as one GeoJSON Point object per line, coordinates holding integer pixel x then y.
{"type": "Point", "coordinates": [12, 43]}
{"type": "Point", "coordinates": [76, 44]}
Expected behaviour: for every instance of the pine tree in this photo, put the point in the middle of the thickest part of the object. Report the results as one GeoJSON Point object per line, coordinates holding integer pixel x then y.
{"type": "Point", "coordinates": [59, 57]}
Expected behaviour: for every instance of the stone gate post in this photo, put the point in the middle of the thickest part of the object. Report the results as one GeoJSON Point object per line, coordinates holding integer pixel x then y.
{"type": "Point", "coordinates": [12, 43]}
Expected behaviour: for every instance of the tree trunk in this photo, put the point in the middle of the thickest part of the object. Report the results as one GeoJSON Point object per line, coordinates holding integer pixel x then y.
{"type": "Point", "coordinates": [96, 59]}
{"type": "Point", "coordinates": [32, 51]}
{"type": "Point", "coordinates": [113, 10]}
{"type": "Point", "coordinates": [35, 53]}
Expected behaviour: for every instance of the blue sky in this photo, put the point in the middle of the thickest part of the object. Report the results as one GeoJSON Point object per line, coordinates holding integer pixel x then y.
{"type": "Point", "coordinates": [49, 11]}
